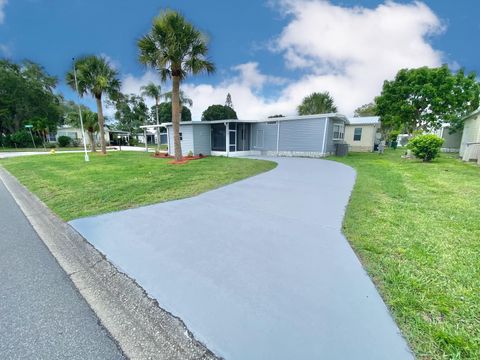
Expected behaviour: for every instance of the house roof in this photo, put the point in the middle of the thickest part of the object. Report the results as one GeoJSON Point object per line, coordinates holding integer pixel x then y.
{"type": "Point", "coordinates": [364, 120]}
{"type": "Point", "coordinates": [286, 118]}
{"type": "Point", "coordinates": [476, 112]}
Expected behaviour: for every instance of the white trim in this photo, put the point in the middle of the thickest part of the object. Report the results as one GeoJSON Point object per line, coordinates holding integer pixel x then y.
{"type": "Point", "coordinates": [227, 138]}
{"type": "Point", "coordinates": [324, 135]}
{"type": "Point", "coordinates": [335, 116]}
{"type": "Point", "coordinates": [278, 135]}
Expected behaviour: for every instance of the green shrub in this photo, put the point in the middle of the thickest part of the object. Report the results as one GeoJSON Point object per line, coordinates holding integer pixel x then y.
{"type": "Point", "coordinates": [64, 141]}
{"type": "Point", "coordinates": [23, 139]}
{"type": "Point", "coordinates": [133, 142]}
{"type": "Point", "coordinates": [50, 145]}
{"type": "Point", "coordinates": [425, 147]}
{"type": "Point", "coordinates": [6, 141]}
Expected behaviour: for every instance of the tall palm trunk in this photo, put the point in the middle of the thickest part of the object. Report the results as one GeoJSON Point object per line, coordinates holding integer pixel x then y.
{"type": "Point", "coordinates": [158, 123]}
{"type": "Point", "coordinates": [91, 136]}
{"type": "Point", "coordinates": [176, 116]}
{"type": "Point", "coordinates": [101, 122]}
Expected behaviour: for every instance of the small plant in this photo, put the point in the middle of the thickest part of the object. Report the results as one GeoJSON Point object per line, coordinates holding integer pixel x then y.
{"type": "Point", "coordinates": [425, 147]}
{"type": "Point", "coordinates": [50, 145]}
{"type": "Point", "coordinates": [190, 153]}
{"type": "Point", "coordinates": [64, 141]}
{"type": "Point", "coordinates": [201, 155]}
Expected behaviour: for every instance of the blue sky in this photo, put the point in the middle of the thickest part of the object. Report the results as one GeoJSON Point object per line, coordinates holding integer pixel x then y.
{"type": "Point", "coordinates": [269, 54]}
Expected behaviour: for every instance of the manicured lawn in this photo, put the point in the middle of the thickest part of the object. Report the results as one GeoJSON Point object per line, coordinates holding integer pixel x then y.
{"type": "Point", "coordinates": [38, 149]}
{"type": "Point", "coordinates": [416, 228]}
{"type": "Point", "coordinates": [122, 180]}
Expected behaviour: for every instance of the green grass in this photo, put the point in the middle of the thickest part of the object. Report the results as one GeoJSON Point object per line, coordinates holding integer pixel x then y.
{"type": "Point", "coordinates": [38, 149]}
{"type": "Point", "coordinates": [122, 180]}
{"type": "Point", "coordinates": [416, 228]}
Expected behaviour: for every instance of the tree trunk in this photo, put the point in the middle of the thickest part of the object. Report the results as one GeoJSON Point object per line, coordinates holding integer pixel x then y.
{"type": "Point", "coordinates": [92, 140]}
{"type": "Point", "coordinates": [101, 122]}
{"type": "Point", "coordinates": [176, 116]}
{"type": "Point", "coordinates": [158, 123]}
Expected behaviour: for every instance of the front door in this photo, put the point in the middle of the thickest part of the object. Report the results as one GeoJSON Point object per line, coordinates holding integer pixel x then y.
{"type": "Point", "coordinates": [233, 140]}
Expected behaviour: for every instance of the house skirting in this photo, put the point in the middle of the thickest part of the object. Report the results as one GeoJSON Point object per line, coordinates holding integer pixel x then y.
{"type": "Point", "coordinates": [310, 154]}
{"type": "Point", "coordinates": [235, 153]}
{"type": "Point", "coordinates": [450, 150]}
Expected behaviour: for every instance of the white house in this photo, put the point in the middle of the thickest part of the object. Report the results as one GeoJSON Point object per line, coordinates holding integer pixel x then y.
{"type": "Point", "coordinates": [111, 136]}
{"type": "Point", "coordinates": [362, 133]}
{"type": "Point", "coordinates": [470, 144]}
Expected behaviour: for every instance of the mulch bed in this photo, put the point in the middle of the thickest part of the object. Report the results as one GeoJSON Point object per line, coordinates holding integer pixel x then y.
{"type": "Point", "coordinates": [184, 160]}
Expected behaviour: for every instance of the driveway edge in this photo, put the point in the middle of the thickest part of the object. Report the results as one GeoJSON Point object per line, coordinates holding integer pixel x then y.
{"type": "Point", "coordinates": [142, 329]}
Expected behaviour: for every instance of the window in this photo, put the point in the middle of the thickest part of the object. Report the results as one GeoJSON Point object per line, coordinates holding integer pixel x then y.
{"type": "Point", "coordinates": [338, 131]}
{"type": "Point", "coordinates": [259, 142]}
{"type": "Point", "coordinates": [357, 134]}
{"type": "Point", "coordinates": [70, 134]}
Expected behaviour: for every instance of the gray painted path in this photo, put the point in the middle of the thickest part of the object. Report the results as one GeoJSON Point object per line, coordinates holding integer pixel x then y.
{"type": "Point", "coordinates": [42, 316]}
{"type": "Point", "coordinates": [258, 269]}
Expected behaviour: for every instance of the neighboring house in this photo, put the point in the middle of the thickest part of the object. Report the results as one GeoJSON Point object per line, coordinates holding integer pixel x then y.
{"type": "Point", "coordinates": [151, 135]}
{"type": "Point", "coordinates": [451, 142]}
{"type": "Point", "coordinates": [363, 133]}
{"type": "Point", "coordinates": [308, 135]}
{"type": "Point", "coordinates": [470, 144]}
{"type": "Point", "coordinates": [113, 137]}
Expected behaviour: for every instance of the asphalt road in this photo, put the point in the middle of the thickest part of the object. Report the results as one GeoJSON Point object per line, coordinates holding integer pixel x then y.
{"type": "Point", "coordinates": [42, 315]}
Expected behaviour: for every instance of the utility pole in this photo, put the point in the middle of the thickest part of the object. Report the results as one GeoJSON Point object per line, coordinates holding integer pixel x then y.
{"type": "Point", "coordinates": [80, 112]}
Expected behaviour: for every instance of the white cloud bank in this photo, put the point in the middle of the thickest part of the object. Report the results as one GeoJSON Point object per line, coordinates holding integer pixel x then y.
{"type": "Point", "coordinates": [3, 3]}
{"type": "Point", "coordinates": [346, 51]}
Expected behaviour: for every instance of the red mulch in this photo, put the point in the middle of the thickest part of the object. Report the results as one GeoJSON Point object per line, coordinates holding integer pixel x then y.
{"type": "Point", "coordinates": [184, 160]}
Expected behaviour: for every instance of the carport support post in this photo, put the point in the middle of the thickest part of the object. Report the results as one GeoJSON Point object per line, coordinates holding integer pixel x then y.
{"type": "Point", "coordinates": [145, 138]}
{"type": "Point", "coordinates": [227, 138]}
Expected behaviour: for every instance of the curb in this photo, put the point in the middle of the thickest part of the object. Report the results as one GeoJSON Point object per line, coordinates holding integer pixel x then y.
{"type": "Point", "coordinates": [136, 322]}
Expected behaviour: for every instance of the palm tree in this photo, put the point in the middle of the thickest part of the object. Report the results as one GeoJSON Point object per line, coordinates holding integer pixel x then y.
{"type": "Point", "coordinates": [184, 99]}
{"type": "Point", "coordinates": [175, 48]}
{"type": "Point", "coordinates": [317, 103]}
{"type": "Point", "coordinates": [96, 77]}
{"type": "Point", "coordinates": [90, 123]}
{"type": "Point", "coordinates": [155, 92]}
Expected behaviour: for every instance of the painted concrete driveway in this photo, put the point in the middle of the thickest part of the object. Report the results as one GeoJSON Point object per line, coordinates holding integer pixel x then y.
{"type": "Point", "coordinates": [258, 269]}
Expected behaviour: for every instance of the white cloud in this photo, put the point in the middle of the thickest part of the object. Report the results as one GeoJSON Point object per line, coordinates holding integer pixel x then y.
{"type": "Point", "coordinates": [3, 3]}
{"type": "Point", "coordinates": [346, 51]}
{"type": "Point", "coordinates": [351, 51]}
{"type": "Point", "coordinates": [113, 62]}
{"type": "Point", "coordinates": [5, 50]}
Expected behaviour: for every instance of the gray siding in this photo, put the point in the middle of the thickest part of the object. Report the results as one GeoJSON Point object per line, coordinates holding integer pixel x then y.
{"type": "Point", "coordinates": [302, 135]}
{"type": "Point", "coordinates": [269, 137]}
{"type": "Point", "coordinates": [202, 139]}
{"type": "Point", "coordinates": [295, 136]}
{"type": "Point", "coordinates": [187, 139]}
{"type": "Point", "coordinates": [451, 141]}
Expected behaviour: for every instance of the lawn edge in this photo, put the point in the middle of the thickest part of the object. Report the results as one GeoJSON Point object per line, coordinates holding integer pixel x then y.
{"type": "Point", "coordinates": [141, 328]}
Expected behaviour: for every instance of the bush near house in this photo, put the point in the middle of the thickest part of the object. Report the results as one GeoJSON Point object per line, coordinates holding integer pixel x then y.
{"type": "Point", "coordinates": [64, 141]}
{"type": "Point", "coordinates": [23, 139]}
{"type": "Point", "coordinates": [425, 147]}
